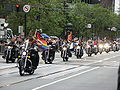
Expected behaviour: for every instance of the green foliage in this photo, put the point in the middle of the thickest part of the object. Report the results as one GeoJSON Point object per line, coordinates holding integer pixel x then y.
{"type": "Point", "coordinates": [53, 17]}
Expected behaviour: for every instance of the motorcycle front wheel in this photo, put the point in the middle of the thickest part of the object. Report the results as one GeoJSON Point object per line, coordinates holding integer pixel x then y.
{"type": "Point", "coordinates": [7, 58]}
{"type": "Point", "coordinates": [21, 68]}
{"type": "Point", "coordinates": [31, 72]}
{"type": "Point", "coordinates": [95, 53]}
{"type": "Point", "coordinates": [65, 59]}
{"type": "Point", "coordinates": [7, 61]}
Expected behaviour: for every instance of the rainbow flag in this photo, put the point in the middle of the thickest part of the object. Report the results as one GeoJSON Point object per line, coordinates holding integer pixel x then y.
{"type": "Point", "coordinates": [42, 41]}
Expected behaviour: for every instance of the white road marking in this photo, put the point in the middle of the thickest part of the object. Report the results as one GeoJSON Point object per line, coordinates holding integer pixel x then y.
{"type": "Point", "coordinates": [110, 67]}
{"type": "Point", "coordinates": [67, 72]}
{"type": "Point", "coordinates": [64, 78]}
{"type": "Point", "coordinates": [103, 60]}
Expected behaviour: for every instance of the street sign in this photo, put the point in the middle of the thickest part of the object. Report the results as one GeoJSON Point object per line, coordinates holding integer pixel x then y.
{"type": "Point", "coordinates": [26, 8]}
{"type": "Point", "coordinates": [88, 26]}
{"type": "Point", "coordinates": [20, 29]}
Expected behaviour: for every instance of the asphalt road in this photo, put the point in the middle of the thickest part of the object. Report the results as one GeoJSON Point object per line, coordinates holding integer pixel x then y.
{"type": "Point", "coordinates": [98, 72]}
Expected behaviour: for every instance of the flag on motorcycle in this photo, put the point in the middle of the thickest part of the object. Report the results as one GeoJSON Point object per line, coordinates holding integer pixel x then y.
{"type": "Point", "coordinates": [43, 35]}
{"type": "Point", "coordinates": [41, 40]}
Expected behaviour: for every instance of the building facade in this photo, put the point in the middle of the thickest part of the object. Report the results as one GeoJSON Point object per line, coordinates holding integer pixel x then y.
{"type": "Point", "coordinates": [117, 7]}
{"type": "Point", "coordinates": [107, 3]}
{"type": "Point", "coordinates": [114, 5]}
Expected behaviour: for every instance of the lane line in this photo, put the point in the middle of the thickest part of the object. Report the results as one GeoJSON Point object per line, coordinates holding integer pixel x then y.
{"type": "Point", "coordinates": [65, 78]}
{"type": "Point", "coordinates": [102, 60]}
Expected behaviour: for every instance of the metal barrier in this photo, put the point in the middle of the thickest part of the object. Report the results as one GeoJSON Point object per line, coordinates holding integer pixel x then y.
{"type": "Point", "coordinates": [2, 47]}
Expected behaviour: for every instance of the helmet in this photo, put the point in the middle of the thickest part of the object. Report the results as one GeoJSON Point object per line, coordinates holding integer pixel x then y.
{"type": "Point", "coordinates": [40, 30]}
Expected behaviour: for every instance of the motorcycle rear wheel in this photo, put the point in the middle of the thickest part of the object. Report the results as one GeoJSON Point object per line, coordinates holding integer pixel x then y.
{"type": "Point", "coordinates": [100, 52]}
{"type": "Point", "coordinates": [13, 60]}
{"type": "Point", "coordinates": [63, 59]}
{"type": "Point", "coordinates": [89, 55]}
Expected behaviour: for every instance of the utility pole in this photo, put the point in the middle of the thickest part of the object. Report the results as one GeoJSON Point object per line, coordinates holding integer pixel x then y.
{"type": "Point", "coordinates": [25, 27]}
{"type": "Point", "coordinates": [26, 9]}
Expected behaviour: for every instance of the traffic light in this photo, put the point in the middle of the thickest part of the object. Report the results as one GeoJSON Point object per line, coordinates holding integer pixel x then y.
{"type": "Point", "coordinates": [17, 7]}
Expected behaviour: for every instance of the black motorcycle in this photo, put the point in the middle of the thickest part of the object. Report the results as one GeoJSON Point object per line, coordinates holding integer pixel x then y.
{"type": "Point", "coordinates": [78, 51]}
{"type": "Point", "coordinates": [115, 47]}
{"type": "Point", "coordinates": [95, 49]}
{"type": "Point", "coordinates": [89, 50]}
{"type": "Point", "coordinates": [49, 54]}
{"type": "Point", "coordinates": [65, 53]}
{"type": "Point", "coordinates": [100, 48]}
{"type": "Point", "coordinates": [10, 53]}
{"type": "Point", "coordinates": [25, 63]}
{"type": "Point", "coordinates": [107, 47]}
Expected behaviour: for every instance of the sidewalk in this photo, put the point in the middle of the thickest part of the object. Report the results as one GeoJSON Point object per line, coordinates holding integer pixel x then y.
{"type": "Point", "coordinates": [4, 65]}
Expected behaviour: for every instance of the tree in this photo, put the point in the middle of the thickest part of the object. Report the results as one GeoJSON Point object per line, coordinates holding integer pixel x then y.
{"type": "Point", "coordinates": [51, 16]}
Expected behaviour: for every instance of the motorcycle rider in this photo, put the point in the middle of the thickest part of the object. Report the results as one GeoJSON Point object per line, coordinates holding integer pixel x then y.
{"type": "Point", "coordinates": [52, 51]}
{"type": "Point", "coordinates": [114, 42]}
{"type": "Point", "coordinates": [115, 46]}
{"type": "Point", "coordinates": [50, 42]}
{"type": "Point", "coordinates": [89, 47]}
{"type": "Point", "coordinates": [13, 44]}
{"type": "Point", "coordinates": [66, 44]}
{"type": "Point", "coordinates": [19, 41]}
{"type": "Point", "coordinates": [19, 44]}
{"type": "Point", "coordinates": [33, 53]}
{"type": "Point", "coordinates": [90, 42]}
{"type": "Point", "coordinates": [95, 42]}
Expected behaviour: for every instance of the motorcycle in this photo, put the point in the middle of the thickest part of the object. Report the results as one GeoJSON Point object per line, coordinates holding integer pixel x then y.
{"type": "Point", "coordinates": [89, 50]}
{"type": "Point", "coordinates": [65, 53]}
{"type": "Point", "coordinates": [95, 49]}
{"type": "Point", "coordinates": [10, 53]}
{"type": "Point", "coordinates": [49, 54]}
{"type": "Point", "coordinates": [115, 47]}
{"type": "Point", "coordinates": [100, 46]}
{"type": "Point", "coordinates": [25, 64]}
{"type": "Point", "coordinates": [78, 51]}
{"type": "Point", "coordinates": [107, 47]}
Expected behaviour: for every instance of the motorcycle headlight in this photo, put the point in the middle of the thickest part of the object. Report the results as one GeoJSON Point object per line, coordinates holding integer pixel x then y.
{"type": "Point", "coordinates": [95, 45]}
{"type": "Point", "coordinates": [28, 56]}
{"type": "Point", "coordinates": [64, 48]}
{"type": "Point", "coordinates": [24, 53]}
{"type": "Point", "coordinates": [49, 45]}
{"type": "Point", "coordinates": [88, 46]}
{"type": "Point", "coordinates": [9, 47]}
{"type": "Point", "coordinates": [78, 47]}
{"type": "Point", "coordinates": [18, 56]}
{"type": "Point", "coordinates": [100, 46]}
{"type": "Point", "coordinates": [106, 45]}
